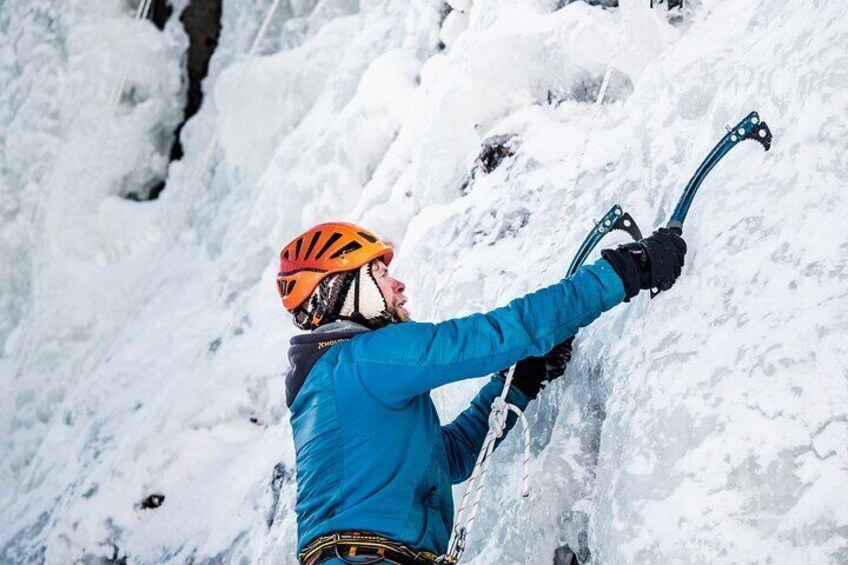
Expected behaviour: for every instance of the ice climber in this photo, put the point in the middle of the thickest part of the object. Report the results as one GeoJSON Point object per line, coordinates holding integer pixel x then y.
{"type": "Point", "coordinates": [374, 464]}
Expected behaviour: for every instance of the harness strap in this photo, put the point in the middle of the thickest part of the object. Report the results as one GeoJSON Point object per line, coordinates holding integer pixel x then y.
{"type": "Point", "coordinates": [345, 545]}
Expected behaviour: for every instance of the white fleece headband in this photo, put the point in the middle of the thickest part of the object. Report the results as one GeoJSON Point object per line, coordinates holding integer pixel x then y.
{"type": "Point", "coordinates": [364, 296]}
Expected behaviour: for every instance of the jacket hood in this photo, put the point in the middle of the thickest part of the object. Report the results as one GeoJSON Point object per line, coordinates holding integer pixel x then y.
{"type": "Point", "coordinates": [306, 349]}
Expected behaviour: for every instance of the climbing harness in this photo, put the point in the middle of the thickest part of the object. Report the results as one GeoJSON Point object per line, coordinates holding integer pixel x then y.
{"type": "Point", "coordinates": [362, 545]}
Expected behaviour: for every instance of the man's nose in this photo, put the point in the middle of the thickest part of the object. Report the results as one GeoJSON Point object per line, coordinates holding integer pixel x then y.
{"type": "Point", "coordinates": [398, 286]}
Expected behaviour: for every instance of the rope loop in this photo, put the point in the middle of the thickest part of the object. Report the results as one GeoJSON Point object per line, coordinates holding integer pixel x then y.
{"type": "Point", "coordinates": [498, 415]}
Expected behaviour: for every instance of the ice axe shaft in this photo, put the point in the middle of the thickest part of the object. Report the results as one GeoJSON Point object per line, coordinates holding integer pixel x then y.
{"type": "Point", "coordinates": [751, 127]}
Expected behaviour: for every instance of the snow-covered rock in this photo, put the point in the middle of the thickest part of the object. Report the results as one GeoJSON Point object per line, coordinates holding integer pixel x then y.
{"type": "Point", "coordinates": [144, 344]}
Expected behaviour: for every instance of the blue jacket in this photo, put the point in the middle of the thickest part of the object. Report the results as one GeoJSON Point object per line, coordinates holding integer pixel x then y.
{"type": "Point", "coordinates": [371, 452]}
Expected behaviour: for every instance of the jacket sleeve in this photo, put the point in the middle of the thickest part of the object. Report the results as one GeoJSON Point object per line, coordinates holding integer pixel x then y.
{"type": "Point", "coordinates": [401, 361]}
{"type": "Point", "coordinates": [464, 436]}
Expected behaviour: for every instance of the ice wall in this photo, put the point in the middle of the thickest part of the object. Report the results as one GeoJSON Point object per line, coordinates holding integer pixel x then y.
{"type": "Point", "coordinates": [144, 345]}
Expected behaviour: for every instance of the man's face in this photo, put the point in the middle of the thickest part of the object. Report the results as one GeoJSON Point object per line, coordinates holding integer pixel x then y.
{"type": "Point", "coordinates": [392, 290]}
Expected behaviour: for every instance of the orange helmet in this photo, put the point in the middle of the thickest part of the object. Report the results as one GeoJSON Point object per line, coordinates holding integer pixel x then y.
{"type": "Point", "coordinates": [328, 248]}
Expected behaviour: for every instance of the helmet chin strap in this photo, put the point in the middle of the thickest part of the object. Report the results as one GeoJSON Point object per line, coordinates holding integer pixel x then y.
{"type": "Point", "coordinates": [356, 315]}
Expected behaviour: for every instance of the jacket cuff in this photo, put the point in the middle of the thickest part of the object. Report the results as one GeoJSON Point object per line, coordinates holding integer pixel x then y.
{"type": "Point", "coordinates": [625, 267]}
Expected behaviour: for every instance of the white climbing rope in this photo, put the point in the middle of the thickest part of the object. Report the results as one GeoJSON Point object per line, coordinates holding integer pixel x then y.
{"type": "Point", "coordinates": [260, 35]}
{"type": "Point", "coordinates": [466, 515]}
{"type": "Point", "coordinates": [476, 483]}
{"type": "Point", "coordinates": [572, 182]}
{"type": "Point", "coordinates": [117, 90]}
{"type": "Point", "coordinates": [115, 98]}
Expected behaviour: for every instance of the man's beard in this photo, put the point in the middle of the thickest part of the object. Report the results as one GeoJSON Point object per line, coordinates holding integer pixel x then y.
{"type": "Point", "coordinates": [396, 317]}
{"type": "Point", "coordinates": [384, 319]}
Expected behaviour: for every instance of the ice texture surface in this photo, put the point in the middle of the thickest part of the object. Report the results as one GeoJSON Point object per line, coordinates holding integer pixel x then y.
{"type": "Point", "coordinates": [144, 347]}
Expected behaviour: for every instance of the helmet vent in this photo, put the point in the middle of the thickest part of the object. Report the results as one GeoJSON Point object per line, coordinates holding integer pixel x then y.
{"type": "Point", "coordinates": [297, 247]}
{"type": "Point", "coordinates": [290, 287]}
{"type": "Point", "coordinates": [333, 238]}
{"type": "Point", "coordinates": [315, 237]}
{"type": "Point", "coordinates": [286, 254]}
{"type": "Point", "coordinates": [352, 246]}
{"type": "Point", "coordinates": [367, 236]}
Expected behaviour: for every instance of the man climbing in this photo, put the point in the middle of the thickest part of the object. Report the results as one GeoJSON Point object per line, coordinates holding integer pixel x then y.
{"type": "Point", "coordinates": [374, 464]}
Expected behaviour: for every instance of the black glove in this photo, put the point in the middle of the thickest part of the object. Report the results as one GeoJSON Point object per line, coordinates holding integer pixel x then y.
{"type": "Point", "coordinates": [532, 372]}
{"type": "Point", "coordinates": [651, 263]}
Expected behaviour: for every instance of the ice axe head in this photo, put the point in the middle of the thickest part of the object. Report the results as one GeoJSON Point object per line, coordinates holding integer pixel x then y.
{"type": "Point", "coordinates": [627, 224]}
{"type": "Point", "coordinates": [758, 131]}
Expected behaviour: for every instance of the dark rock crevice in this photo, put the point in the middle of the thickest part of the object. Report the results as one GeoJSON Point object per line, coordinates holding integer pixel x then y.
{"type": "Point", "coordinates": [161, 13]}
{"type": "Point", "coordinates": [602, 3]}
{"type": "Point", "coordinates": [671, 4]}
{"type": "Point", "coordinates": [201, 20]}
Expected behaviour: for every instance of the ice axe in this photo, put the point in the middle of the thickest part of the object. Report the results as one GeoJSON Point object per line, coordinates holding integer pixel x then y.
{"type": "Point", "coordinates": [749, 128]}
{"type": "Point", "coordinates": [615, 219]}
{"type": "Point", "coordinates": [752, 127]}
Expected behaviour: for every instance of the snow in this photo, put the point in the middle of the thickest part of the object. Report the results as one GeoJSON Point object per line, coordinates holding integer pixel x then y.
{"type": "Point", "coordinates": [143, 345]}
